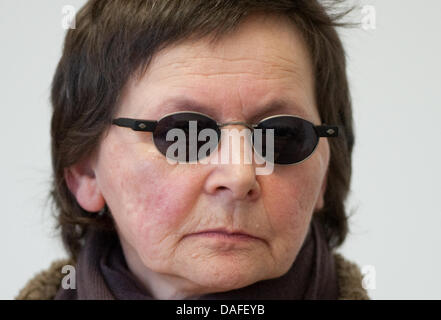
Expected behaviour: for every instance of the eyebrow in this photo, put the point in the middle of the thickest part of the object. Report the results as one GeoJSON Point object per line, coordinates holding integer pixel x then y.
{"type": "Point", "coordinates": [274, 107]}
{"type": "Point", "coordinates": [279, 106]}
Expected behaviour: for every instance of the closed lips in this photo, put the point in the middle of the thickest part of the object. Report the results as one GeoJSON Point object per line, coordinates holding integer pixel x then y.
{"type": "Point", "coordinates": [224, 233]}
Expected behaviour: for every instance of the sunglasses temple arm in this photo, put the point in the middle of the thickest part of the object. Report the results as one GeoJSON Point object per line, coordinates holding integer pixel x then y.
{"type": "Point", "coordinates": [326, 131]}
{"type": "Point", "coordinates": [137, 125]}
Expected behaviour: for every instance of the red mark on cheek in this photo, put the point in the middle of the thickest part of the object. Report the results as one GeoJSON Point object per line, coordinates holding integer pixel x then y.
{"type": "Point", "coordinates": [169, 203]}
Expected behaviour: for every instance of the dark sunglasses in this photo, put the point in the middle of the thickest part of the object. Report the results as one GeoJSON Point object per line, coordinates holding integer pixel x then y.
{"type": "Point", "coordinates": [295, 139]}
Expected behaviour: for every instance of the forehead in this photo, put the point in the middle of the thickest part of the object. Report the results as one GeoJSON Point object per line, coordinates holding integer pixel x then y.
{"type": "Point", "coordinates": [261, 68]}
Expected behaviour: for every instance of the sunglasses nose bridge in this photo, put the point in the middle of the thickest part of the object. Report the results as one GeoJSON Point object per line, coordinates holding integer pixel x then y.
{"type": "Point", "coordinates": [244, 153]}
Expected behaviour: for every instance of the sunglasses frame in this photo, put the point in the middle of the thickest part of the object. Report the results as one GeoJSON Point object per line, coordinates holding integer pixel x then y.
{"type": "Point", "coordinates": [323, 130]}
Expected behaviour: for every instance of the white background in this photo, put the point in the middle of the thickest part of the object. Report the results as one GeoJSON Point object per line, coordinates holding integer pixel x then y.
{"type": "Point", "coordinates": [394, 72]}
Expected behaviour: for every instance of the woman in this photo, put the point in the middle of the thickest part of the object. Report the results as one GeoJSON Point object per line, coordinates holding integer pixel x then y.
{"type": "Point", "coordinates": [140, 217]}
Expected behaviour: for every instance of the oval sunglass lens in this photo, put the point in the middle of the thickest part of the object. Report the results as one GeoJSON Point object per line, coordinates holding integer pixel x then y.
{"type": "Point", "coordinates": [177, 136]}
{"type": "Point", "coordinates": [294, 139]}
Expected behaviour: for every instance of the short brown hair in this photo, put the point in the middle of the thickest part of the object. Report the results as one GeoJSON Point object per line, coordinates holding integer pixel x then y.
{"type": "Point", "coordinates": [116, 38]}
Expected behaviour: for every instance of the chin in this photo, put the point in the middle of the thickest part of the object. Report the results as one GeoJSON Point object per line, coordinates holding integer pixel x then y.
{"type": "Point", "coordinates": [221, 274]}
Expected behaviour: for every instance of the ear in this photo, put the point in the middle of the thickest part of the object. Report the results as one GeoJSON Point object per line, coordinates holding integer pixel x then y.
{"type": "Point", "coordinates": [321, 199]}
{"type": "Point", "coordinates": [81, 181]}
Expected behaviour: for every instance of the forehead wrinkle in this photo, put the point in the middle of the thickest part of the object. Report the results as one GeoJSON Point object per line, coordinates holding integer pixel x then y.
{"type": "Point", "coordinates": [234, 66]}
{"type": "Point", "coordinates": [204, 66]}
{"type": "Point", "coordinates": [287, 74]}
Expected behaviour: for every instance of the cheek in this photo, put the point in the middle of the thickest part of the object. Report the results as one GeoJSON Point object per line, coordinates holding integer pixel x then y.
{"type": "Point", "coordinates": [149, 199]}
{"type": "Point", "coordinates": [292, 195]}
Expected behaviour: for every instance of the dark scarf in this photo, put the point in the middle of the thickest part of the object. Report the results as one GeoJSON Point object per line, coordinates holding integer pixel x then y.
{"type": "Point", "coordinates": [102, 273]}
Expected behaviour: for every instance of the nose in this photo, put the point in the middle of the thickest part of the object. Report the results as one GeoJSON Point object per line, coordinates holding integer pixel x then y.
{"type": "Point", "coordinates": [234, 176]}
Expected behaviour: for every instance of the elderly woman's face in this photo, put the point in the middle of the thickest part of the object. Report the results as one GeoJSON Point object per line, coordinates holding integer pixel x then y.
{"type": "Point", "coordinates": [163, 210]}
